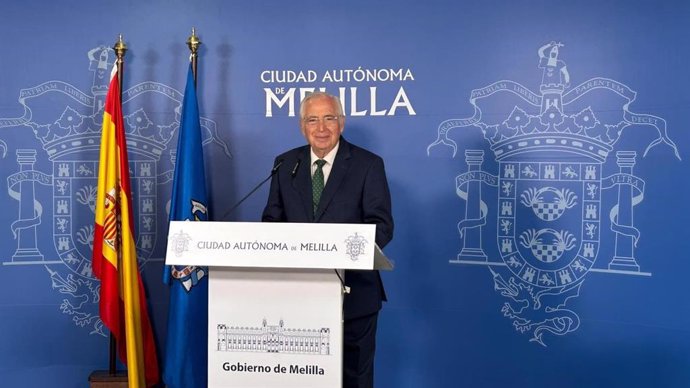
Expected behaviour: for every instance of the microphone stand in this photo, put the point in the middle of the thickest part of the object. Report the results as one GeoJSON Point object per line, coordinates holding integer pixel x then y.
{"type": "Point", "coordinates": [273, 172]}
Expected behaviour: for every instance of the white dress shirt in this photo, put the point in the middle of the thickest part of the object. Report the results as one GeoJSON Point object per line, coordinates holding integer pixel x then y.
{"type": "Point", "coordinates": [329, 158]}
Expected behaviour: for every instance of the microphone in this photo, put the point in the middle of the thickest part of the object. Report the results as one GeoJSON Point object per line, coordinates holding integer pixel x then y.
{"type": "Point", "coordinates": [294, 169]}
{"type": "Point", "coordinates": [274, 170]}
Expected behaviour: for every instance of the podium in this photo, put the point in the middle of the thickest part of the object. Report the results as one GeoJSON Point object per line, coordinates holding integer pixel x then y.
{"type": "Point", "coordinates": [275, 297]}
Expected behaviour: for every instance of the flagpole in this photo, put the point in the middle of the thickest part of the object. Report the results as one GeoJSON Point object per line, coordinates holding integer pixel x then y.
{"type": "Point", "coordinates": [186, 356]}
{"type": "Point", "coordinates": [193, 43]}
{"type": "Point", "coordinates": [120, 48]}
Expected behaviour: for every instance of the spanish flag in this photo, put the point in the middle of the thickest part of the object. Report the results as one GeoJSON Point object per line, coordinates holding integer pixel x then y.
{"type": "Point", "coordinates": [122, 300]}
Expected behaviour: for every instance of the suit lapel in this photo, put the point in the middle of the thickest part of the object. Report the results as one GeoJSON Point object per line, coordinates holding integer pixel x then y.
{"type": "Point", "coordinates": [340, 166]}
{"type": "Point", "coordinates": [302, 182]}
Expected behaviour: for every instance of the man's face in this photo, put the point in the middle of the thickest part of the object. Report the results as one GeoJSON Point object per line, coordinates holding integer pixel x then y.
{"type": "Point", "coordinates": [321, 125]}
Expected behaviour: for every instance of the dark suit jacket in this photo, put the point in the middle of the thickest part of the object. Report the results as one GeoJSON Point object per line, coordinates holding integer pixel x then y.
{"type": "Point", "coordinates": [356, 192]}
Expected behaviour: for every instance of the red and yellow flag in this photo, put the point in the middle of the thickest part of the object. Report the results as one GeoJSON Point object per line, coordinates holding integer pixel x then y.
{"type": "Point", "coordinates": [122, 300]}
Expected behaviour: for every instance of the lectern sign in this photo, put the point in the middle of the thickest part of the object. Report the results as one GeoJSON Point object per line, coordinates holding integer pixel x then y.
{"type": "Point", "coordinates": [275, 245]}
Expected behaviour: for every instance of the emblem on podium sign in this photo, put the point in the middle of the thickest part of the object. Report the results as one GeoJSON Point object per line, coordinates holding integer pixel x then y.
{"type": "Point", "coordinates": [553, 157]}
{"type": "Point", "coordinates": [355, 246]}
{"type": "Point", "coordinates": [66, 123]}
{"type": "Point", "coordinates": [187, 275]}
{"type": "Point", "coordinates": [180, 242]}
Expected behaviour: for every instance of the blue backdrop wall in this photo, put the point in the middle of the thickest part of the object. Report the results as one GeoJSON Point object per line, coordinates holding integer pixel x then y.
{"type": "Point", "coordinates": [536, 152]}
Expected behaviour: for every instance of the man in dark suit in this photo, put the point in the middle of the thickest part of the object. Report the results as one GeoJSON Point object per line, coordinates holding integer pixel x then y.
{"type": "Point", "coordinates": [332, 181]}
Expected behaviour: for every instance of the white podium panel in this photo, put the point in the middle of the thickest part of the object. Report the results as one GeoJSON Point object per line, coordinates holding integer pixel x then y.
{"type": "Point", "coordinates": [275, 302]}
{"type": "Point", "coordinates": [277, 328]}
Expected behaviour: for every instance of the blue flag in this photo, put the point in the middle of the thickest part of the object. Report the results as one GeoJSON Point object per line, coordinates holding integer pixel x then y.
{"type": "Point", "coordinates": [186, 355]}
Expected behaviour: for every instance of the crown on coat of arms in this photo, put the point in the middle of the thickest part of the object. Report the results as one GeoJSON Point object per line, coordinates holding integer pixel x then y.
{"type": "Point", "coordinates": [62, 129]}
{"type": "Point", "coordinates": [74, 131]}
{"type": "Point", "coordinates": [581, 134]}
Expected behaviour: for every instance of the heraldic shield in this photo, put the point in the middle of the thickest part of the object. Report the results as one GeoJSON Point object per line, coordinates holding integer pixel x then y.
{"type": "Point", "coordinates": [74, 192]}
{"type": "Point", "coordinates": [548, 219]}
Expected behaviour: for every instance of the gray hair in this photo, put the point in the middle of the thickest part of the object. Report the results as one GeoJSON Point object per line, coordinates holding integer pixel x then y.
{"type": "Point", "coordinates": [319, 94]}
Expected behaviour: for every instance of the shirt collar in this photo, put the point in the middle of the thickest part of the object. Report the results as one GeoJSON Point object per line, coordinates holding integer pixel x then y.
{"type": "Point", "coordinates": [329, 158]}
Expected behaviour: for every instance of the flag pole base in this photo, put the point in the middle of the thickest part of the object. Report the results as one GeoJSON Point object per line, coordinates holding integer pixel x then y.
{"type": "Point", "coordinates": [104, 379]}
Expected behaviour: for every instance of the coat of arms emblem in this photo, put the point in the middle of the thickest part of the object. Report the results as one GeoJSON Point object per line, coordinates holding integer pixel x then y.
{"type": "Point", "coordinates": [66, 122]}
{"type": "Point", "coordinates": [355, 245]}
{"type": "Point", "coordinates": [553, 154]}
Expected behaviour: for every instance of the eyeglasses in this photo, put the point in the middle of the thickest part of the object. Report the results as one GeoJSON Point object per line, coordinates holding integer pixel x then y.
{"type": "Point", "coordinates": [328, 120]}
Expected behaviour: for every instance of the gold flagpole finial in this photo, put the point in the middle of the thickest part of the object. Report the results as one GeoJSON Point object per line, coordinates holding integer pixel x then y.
{"type": "Point", "coordinates": [193, 42]}
{"type": "Point", "coordinates": [120, 47]}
